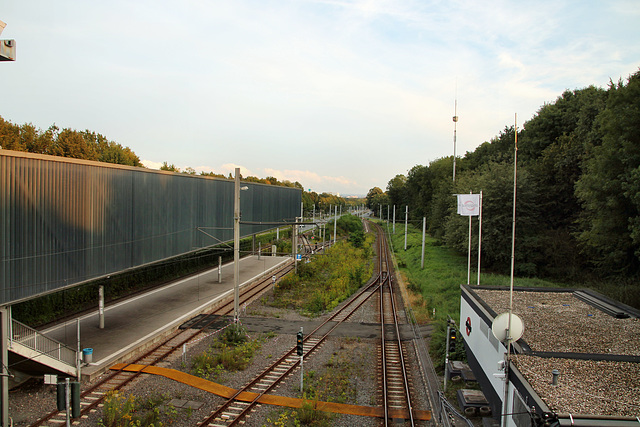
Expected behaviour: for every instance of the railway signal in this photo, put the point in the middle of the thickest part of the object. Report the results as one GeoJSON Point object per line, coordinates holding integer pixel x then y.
{"type": "Point", "coordinates": [300, 351]}
{"type": "Point", "coordinates": [299, 343]}
{"type": "Point", "coordinates": [452, 339]}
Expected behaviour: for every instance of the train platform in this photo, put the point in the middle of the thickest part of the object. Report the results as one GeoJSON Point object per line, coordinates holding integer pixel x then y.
{"type": "Point", "coordinates": [144, 319]}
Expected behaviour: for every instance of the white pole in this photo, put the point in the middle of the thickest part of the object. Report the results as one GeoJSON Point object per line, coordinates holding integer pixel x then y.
{"type": "Point", "coordinates": [67, 401]}
{"type": "Point", "coordinates": [469, 252]}
{"type": "Point", "coordinates": [455, 123]}
{"type": "Point", "coordinates": [424, 229]}
{"type": "Point", "coordinates": [236, 247]}
{"type": "Point", "coordinates": [219, 269]}
{"type": "Point", "coordinates": [101, 306]}
{"type": "Point", "coordinates": [335, 224]}
{"type": "Point", "coordinates": [406, 217]}
{"type": "Point", "coordinates": [505, 405]}
{"type": "Point", "coordinates": [294, 245]}
{"type": "Point", "coordinates": [479, 237]}
{"type": "Point", "coordinates": [394, 219]}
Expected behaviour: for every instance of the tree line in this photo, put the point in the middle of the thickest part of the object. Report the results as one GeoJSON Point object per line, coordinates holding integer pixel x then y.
{"type": "Point", "coordinates": [578, 189]}
{"type": "Point", "coordinates": [88, 145]}
{"type": "Point", "coordinates": [65, 142]}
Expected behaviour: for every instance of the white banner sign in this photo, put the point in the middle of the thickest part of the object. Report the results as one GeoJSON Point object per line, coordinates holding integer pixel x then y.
{"type": "Point", "coordinates": [469, 204]}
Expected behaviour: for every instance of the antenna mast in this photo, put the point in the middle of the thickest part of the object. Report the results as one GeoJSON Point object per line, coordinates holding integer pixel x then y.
{"type": "Point", "coordinates": [455, 122]}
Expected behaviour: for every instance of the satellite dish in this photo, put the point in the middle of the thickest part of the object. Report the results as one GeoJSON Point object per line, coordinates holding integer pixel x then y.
{"type": "Point", "coordinates": [501, 323]}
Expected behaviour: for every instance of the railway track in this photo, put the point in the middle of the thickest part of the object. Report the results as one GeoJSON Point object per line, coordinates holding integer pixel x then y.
{"type": "Point", "coordinates": [395, 380]}
{"type": "Point", "coordinates": [92, 397]}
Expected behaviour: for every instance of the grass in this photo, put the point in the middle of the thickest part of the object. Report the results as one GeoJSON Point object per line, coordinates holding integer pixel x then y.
{"type": "Point", "coordinates": [434, 291]}
{"type": "Point", "coordinates": [327, 280]}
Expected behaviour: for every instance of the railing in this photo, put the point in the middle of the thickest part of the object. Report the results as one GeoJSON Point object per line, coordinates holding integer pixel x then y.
{"type": "Point", "coordinates": [34, 340]}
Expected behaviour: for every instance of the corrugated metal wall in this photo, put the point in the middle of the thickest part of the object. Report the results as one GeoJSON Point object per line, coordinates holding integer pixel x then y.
{"type": "Point", "coordinates": [65, 221]}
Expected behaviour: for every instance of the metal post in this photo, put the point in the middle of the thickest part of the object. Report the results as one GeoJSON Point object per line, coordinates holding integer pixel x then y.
{"type": "Point", "coordinates": [236, 246]}
{"type": "Point", "coordinates": [277, 233]}
{"type": "Point", "coordinates": [335, 224]}
{"type": "Point", "coordinates": [220, 269]}
{"type": "Point", "coordinates": [101, 306]}
{"type": "Point", "coordinates": [455, 123]}
{"type": "Point", "coordinates": [79, 353]}
{"type": "Point", "coordinates": [424, 229]}
{"type": "Point", "coordinates": [387, 217]}
{"type": "Point", "coordinates": [294, 245]}
{"type": "Point", "coordinates": [446, 359]}
{"type": "Point", "coordinates": [469, 253]}
{"type": "Point", "coordinates": [4, 323]}
{"type": "Point", "coordinates": [406, 217]}
{"type": "Point", "coordinates": [394, 219]}
{"type": "Point", "coordinates": [479, 236]}
{"type": "Point", "coordinates": [67, 400]}
{"type": "Point", "coordinates": [259, 249]}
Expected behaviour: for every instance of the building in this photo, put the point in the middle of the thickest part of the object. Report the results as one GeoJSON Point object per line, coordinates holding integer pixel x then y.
{"type": "Point", "coordinates": [590, 342]}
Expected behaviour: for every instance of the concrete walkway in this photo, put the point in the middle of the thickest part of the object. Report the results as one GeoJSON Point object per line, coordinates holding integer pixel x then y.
{"type": "Point", "coordinates": [138, 321]}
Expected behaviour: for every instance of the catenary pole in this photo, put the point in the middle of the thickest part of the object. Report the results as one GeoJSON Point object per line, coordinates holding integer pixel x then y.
{"type": "Point", "coordinates": [424, 229]}
{"type": "Point", "coordinates": [406, 217]}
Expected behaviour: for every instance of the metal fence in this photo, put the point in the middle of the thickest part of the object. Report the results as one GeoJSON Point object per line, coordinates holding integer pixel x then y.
{"type": "Point", "coordinates": [65, 221]}
{"type": "Point", "coordinates": [32, 339]}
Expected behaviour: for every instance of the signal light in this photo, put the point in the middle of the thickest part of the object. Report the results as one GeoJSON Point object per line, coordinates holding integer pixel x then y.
{"type": "Point", "coordinates": [299, 343]}
{"type": "Point", "coordinates": [452, 340]}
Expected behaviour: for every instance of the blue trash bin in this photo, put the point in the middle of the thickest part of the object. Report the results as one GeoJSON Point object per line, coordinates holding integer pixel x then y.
{"type": "Point", "coordinates": [87, 355]}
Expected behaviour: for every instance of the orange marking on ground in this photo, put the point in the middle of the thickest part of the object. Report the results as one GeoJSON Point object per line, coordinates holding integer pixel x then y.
{"type": "Point", "coordinates": [270, 399]}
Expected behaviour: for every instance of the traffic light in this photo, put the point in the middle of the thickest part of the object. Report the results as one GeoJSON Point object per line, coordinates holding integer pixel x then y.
{"type": "Point", "coordinates": [299, 343]}
{"type": "Point", "coordinates": [452, 339]}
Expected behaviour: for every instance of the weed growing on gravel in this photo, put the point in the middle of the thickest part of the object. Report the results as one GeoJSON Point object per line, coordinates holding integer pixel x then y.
{"type": "Point", "coordinates": [231, 351]}
{"type": "Point", "coordinates": [307, 415]}
{"type": "Point", "coordinates": [122, 411]}
{"type": "Point", "coordinates": [327, 280]}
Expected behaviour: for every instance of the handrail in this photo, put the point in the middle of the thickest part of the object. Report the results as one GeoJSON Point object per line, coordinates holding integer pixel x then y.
{"type": "Point", "coordinates": [31, 338]}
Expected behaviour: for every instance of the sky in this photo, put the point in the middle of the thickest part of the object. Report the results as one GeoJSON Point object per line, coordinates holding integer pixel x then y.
{"type": "Point", "coordinates": [340, 95]}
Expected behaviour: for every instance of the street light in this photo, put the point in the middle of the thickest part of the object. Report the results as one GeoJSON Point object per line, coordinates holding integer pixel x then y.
{"type": "Point", "coordinates": [236, 245]}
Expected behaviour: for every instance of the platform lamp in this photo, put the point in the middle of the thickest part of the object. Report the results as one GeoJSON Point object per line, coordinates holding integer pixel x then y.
{"type": "Point", "coordinates": [236, 245]}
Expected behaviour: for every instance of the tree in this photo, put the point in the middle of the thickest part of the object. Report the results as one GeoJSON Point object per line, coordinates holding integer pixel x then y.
{"type": "Point", "coordinates": [396, 190]}
{"type": "Point", "coordinates": [609, 187]}
{"type": "Point", "coordinates": [371, 194]}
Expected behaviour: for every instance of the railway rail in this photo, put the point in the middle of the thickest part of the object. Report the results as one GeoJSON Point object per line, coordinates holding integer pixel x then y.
{"type": "Point", "coordinates": [233, 411]}
{"type": "Point", "coordinates": [92, 397]}
{"type": "Point", "coordinates": [395, 380]}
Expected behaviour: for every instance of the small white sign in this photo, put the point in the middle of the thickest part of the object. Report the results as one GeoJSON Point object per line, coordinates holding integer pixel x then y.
{"type": "Point", "coordinates": [50, 379]}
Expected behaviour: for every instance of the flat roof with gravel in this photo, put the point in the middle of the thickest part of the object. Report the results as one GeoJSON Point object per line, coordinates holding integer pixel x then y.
{"type": "Point", "coordinates": [597, 354]}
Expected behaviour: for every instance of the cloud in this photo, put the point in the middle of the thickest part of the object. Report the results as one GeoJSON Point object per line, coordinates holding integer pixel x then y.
{"type": "Point", "coordinates": [311, 180]}
{"type": "Point", "coordinates": [151, 164]}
